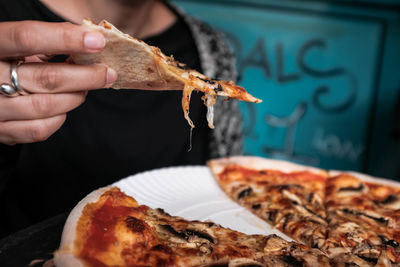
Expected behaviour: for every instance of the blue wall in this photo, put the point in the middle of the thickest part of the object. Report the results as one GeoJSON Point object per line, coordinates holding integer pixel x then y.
{"type": "Point", "coordinates": [329, 75]}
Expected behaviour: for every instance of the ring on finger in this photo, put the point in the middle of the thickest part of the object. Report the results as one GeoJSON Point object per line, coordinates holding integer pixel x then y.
{"type": "Point", "coordinates": [14, 77]}
{"type": "Point", "coordinates": [13, 89]}
{"type": "Point", "coordinates": [8, 90]}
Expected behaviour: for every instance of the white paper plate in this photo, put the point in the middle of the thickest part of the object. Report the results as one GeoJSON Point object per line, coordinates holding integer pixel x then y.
{"type": "Point", "coordinates": [192, 193]}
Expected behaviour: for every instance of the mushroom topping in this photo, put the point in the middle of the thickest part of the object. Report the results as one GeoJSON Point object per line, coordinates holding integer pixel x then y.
{"type": "Point", "coordinates": [244, 193]}
{"type": "Point", "coordinates": [350, 188]}
{"type": "Point", "coordinates": [314, 199]}
{"type": "Point", "coordinates": [274, 243]}
{"type": "Point", "coordinates": [188, 235]}
{"type": "Point", "coordinates": [189, 238]}
{"type": "Point", "coordinates": [352, 231]}
{"type": "Point", "coordinates": [392, 202]}
{"type": "Point", "coordinates": [295, 199]}
{"type": "Point", "coordinates": [310, 257]}
{"type": "Point", "coordinates": [388, 242]}
{"type": "Point", "coordinates": [173, 235]}
{"type": "Point", "coordinates": [367, 252]}
{"type": "Point", "coordinates": [194, 235]}
{"type": "Point", "coordinates": [282, 187]}
{"type": "Point", "coordinates": [371, 215]}
{"type": "Point", "coordinates": [304, 210]}
{"type": "Point", "coordinates": [271, 215]}
{"type": "Point", "coordinates": [349, 259]}
{"type": "Point", "coordinates": [336, 251]}
{"type": "Point", "coordinates": [388, 200]}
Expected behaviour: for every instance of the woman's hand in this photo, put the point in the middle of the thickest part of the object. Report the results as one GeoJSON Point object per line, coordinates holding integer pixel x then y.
{"type": "Point", "coordinates": [54, 88]}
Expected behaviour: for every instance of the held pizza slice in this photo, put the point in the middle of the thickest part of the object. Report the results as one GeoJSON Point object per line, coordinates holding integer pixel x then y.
{"type": "Point", "coordinates": [109, 228]}
{"type": "Point", "coordinates": [140, 66]}
{"type": "Point", "coordinates": [286, 195]}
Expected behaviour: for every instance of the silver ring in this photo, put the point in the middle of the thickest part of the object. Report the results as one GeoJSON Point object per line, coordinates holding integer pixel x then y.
{"type": "Point", "coordinates": [14, 76]}
{"type": "Point", "coordinates": [13, 89]}
{"type": "Point", "coordinates": [8, 90]}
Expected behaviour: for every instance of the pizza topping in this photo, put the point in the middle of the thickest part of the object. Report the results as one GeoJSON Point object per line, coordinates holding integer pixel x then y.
{"type": "Point", "coordinates": [285, 220]}
{"type": "Point", "coordinates": [391, 202]}
{"type": "Point", "coordinates": [367, 252]}
{"type": "Point", "coordinates": [244, 193]}
{"type": "Point", "coordinates": [295, 199]}
{"type": "Point", "coordinates": [291, 261]}
{"type": "Point", "coordinates": [188, 235]}
{"type": "Point", "coordinates": [311, 257]}
{"type": "Point", "coordinates": [349, 259]}
{"type": "Point", "coordinates": [371, 260]}
{"type": "Point", "coordinates": [367, 214]}
{"type": "Point", "coordinates": [174, 236]}
{"type": "Point", "coordinates": [271, 215]}
{"type": "Point", "coordinates": [274, 243]}
{"type": "Point", "coordinates": [196, 235]}
{"type": "Point", "coordinates": [281, 187]}
{"type": "Point", "coordinates": [390, 199]}
{"type": "Point", "coordinates": [389, 242]}
{"type": "Point", "coordinates": [357, 188]}
{"type": "Point", "coordinates": [384, 259]}
{"type": "Point", "coordinates": [135, 224]}
{"type": "Point", "coordinates": [316, 218]}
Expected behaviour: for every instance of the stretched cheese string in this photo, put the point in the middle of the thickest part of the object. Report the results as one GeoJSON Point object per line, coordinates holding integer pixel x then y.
{"type": "Point", "coordinates": [210, 100]}
{"type": "Point", "coordinates": [186, 94]}
{"type": "Point", "coordinates": [190, 140]}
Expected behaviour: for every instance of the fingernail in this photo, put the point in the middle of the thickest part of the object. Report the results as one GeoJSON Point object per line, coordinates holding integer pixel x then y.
{"type": "Point", "coordinates": [111, 77]}
{"type": "Point", "coordinates": [94, 41]}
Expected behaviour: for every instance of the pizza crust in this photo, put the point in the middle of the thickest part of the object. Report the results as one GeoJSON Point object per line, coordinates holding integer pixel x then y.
{"type": "Point", "coordinates": [365, 177]}
{"type": "Point", "coordinates": [64, 256]}
{"type": "Point", "coordinates": [258, 163]}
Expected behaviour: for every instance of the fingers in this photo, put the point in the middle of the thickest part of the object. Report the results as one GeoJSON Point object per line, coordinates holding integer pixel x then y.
{"type": "Point", "coordinates": [13, 132]}
{"type": "Point", "coordinates": [33, 118]}
{"type": "Point", "coordinates": [25, 38]}
{"type": "Point", "coordinates": [59, 77]}
{"type": "Point", "coordinates": [38, 106]}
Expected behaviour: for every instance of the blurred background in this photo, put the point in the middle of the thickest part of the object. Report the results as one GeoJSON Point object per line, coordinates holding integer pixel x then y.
{"type": "Point", "coordinates": [328, 73]}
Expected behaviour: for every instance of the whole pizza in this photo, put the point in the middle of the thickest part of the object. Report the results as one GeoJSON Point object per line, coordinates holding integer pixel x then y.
{"type": "Point", "coordinates": [352, 218]}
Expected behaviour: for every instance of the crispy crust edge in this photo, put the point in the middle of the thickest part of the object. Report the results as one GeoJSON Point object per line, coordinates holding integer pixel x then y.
{"type": "Point", "coordinates": [65, 256]}
{"type": "Point", "coordinates": [258, 163]}
{"type": "Point", "coordinates": [366, 178]}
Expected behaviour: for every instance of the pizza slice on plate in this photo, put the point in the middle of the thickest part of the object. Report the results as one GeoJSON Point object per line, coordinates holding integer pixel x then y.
{"type": "Point", "coordinates": [351, 217]}
{"type": "Point", "coordinates": [363, 217]}
{"type": "Point", "coordinates": [109, 228]}
{"type": "Point", "coordinates": [140, 66]}
{"type": "Point", "coordinates": [286, 195]}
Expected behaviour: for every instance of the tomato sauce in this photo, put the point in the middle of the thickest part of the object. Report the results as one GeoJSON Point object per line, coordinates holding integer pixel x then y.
{"type": "Point", "coordinates": [101, 233]}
